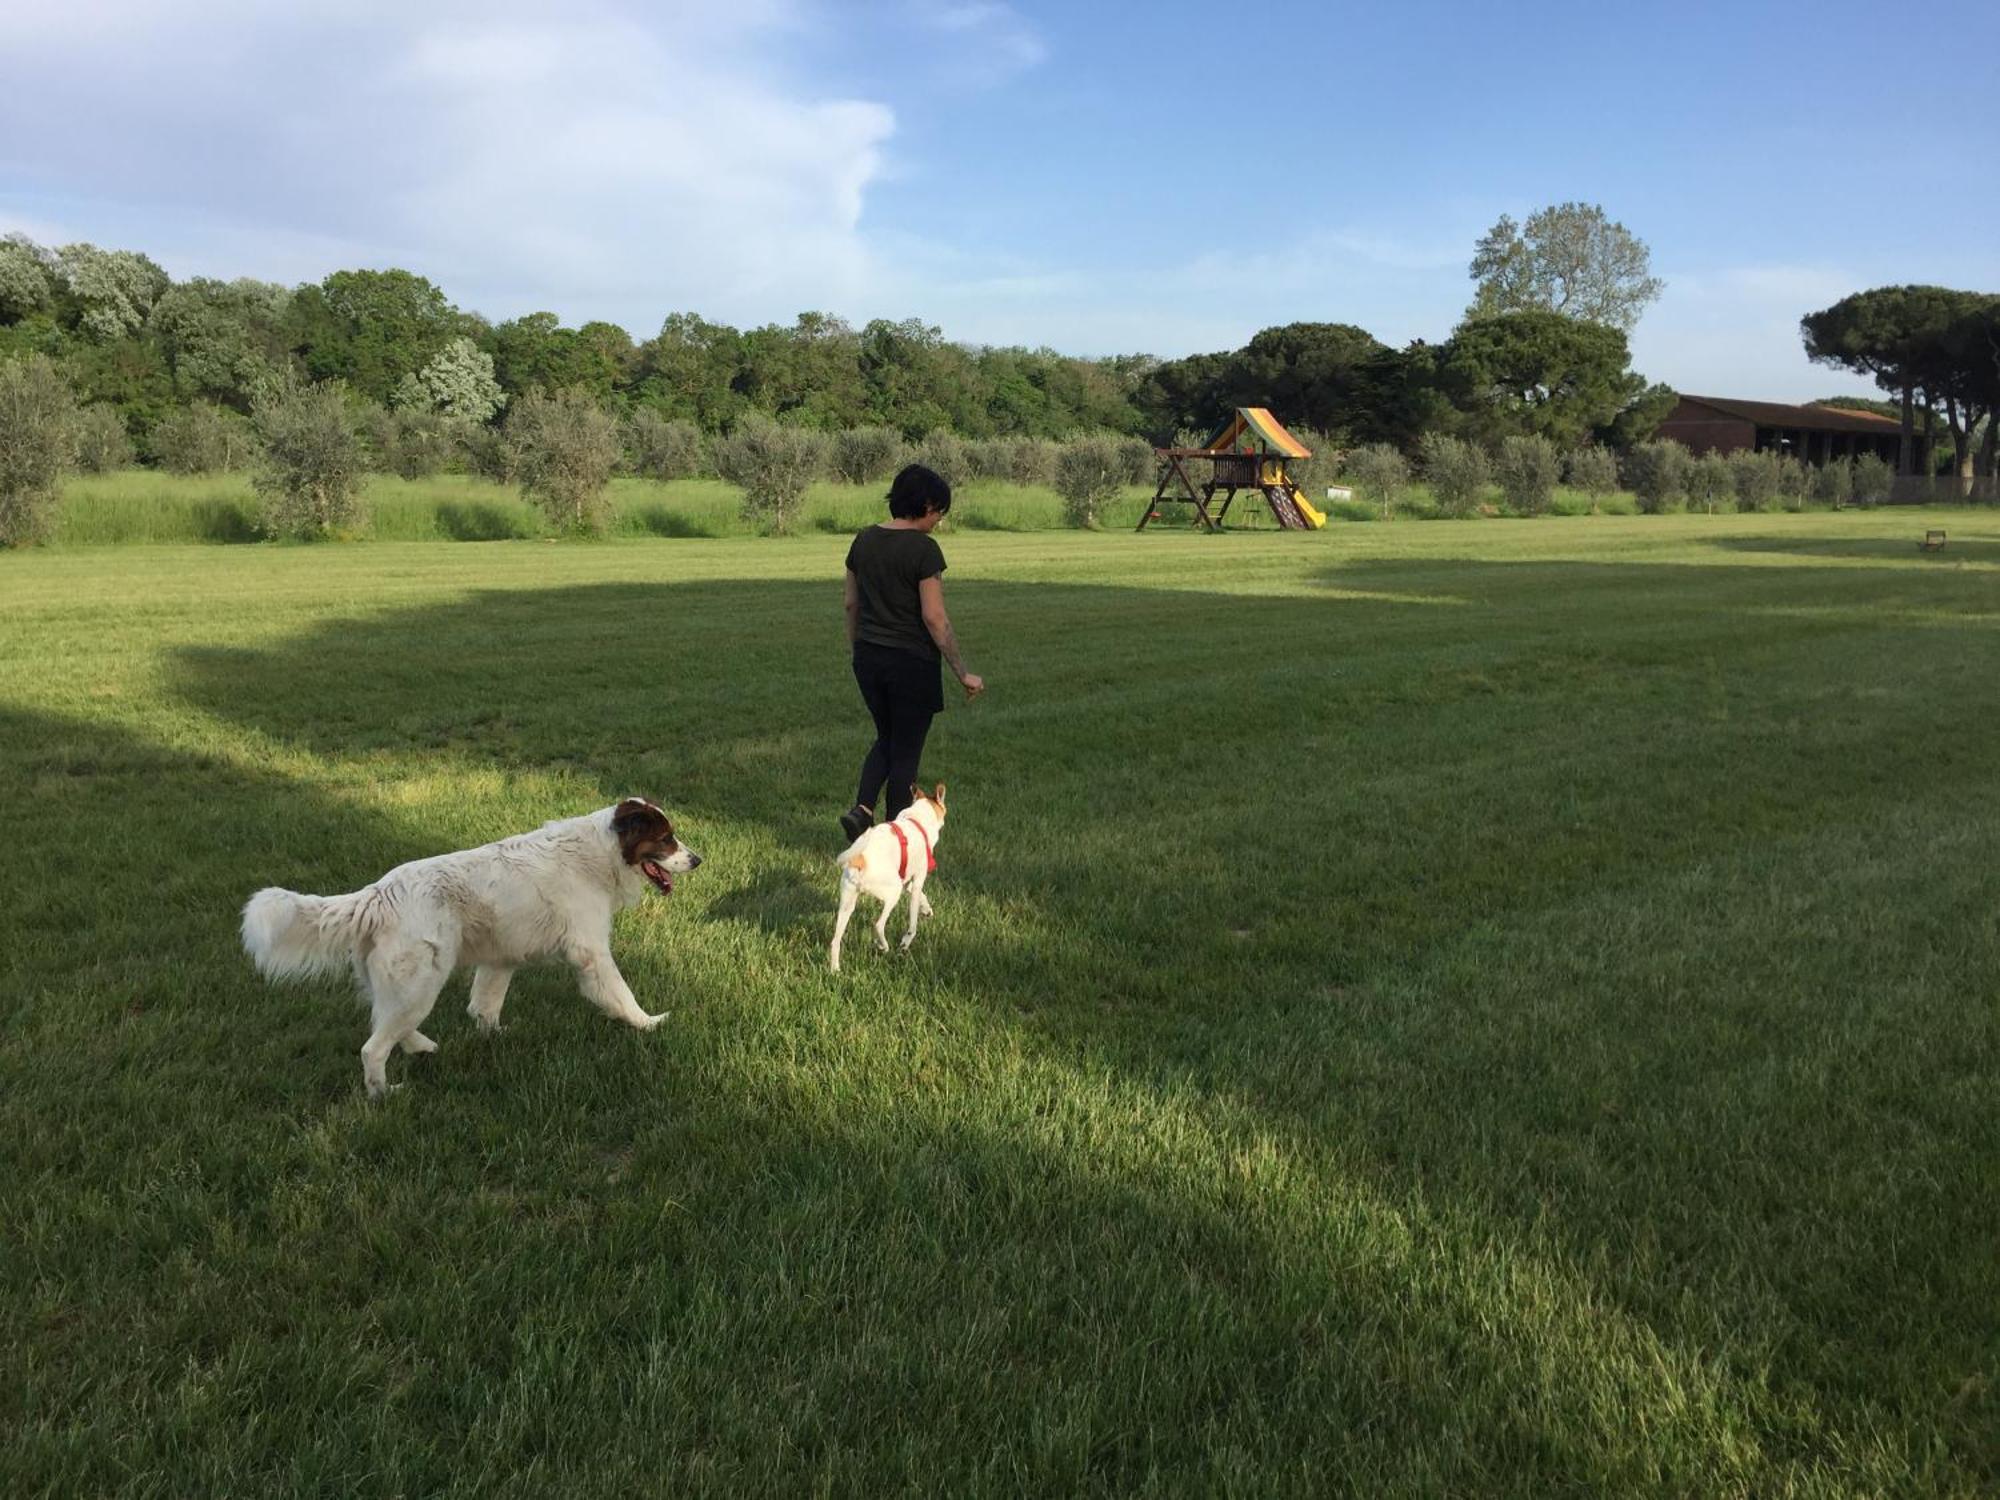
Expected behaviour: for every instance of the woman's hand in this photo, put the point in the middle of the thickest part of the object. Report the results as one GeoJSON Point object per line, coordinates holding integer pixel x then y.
{"type": "Point", "coordinates": [973, 684]}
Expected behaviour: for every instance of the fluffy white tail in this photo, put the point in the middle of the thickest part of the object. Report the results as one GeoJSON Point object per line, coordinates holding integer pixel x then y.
{"type": "Point", "coordinates": [292, 936]}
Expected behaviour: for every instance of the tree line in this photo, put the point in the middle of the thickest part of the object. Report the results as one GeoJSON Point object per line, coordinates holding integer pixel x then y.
{"type": "Point", "coordinates": [1542, 351]}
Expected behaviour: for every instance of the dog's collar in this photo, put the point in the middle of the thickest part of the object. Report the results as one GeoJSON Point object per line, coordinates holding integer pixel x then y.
{"type": "Point", "coordinates": [903, 849]}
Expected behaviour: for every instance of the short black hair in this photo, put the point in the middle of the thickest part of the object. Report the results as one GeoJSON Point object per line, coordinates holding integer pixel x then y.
{"type": "Point", "coordinates": [916, 491]}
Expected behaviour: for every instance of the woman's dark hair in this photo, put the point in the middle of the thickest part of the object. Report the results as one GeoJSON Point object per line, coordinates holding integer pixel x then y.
{"type": "Point", "coordinates": [917, 490]}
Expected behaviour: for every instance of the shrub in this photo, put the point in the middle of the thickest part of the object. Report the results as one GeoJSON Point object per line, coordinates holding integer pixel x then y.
{"type": "Point", "coordinates": [1456, 471]}
{"type": "Point", "coordinates": [1593, 470]}
{"type": "Point", "coordinates": [1657, 473]}
{"type": "Point", "coordinates": [1873, 480]}
{"type": "Point", "coordinates": [562, 448]}
{"type": "Point", "coordinates": [1136, 463]}
{"type": "Point", "coordinates": [1754, 477]}
{"type": "Point", "coordinates": [868, 455]}
{"type": "Point", "coordinates": [38, 430]}
{"type": "Point", "coordinates": [1833, 482]}
{"type": "Point", "coordinates": [989, 458]}
{"type": "Point", "coordinates": [1314, 474]}
{"type": "Point", "coordinates": [1089, 473]}
{"type": "Point", "coordinates": [102, 443]}
{"type": "Point", "coordinates": [488, 454]}
{"type": "Point", "coordinates": [1378, 475]}
{"type": "Point", "coordinates": [944, 453]}
{"type": "Point", "coordinates": [1709, 485]}
{"type": "Point", "coordinates": [313, 460]}
{"type": "Point", "coordinates": [773, 465]}
{"type": "Point", "coordinates": [662, 447]}
{"type": "Point", "coordinates": [1793, 482]}
{"type": "Point", "coordinates": [427, 442]}
{"type": "Point", "coordinates": [1033, 461]}
{"type": "Point", "coordinates": [1527, 469]}
{"type": "Point", "coordinates": [201, 439]}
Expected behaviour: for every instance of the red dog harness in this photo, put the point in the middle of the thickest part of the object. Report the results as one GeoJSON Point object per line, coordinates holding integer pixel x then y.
{"type": "Point", "coordinates": [903, 850]}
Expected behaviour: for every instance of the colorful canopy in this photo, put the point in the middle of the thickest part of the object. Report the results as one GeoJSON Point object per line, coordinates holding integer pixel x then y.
{"type": "Point", "coordinates": [1253, 429]}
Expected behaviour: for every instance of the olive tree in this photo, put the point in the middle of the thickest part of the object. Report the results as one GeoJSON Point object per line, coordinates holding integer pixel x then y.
{"type": "Point", "coordinates": [1593, 470]}
{"type": "Point", "coordinates": [102, 443]}
{"type": "Point", "coordinates": [1456, 471]}
{"type": "Point", "coordinates": [1527, 469]}
{"type": "Point", "coordinates": [944, 453]}
{"type": "Point", "coordinates": [1709, 484]}
{"type": "Point", "coordinates": [562, 448]}
{"type": "Point", "coordinates": [38, 424]}
{"type": "Point", "coordinates": [1657, 473]}
{"type": "Point", "coordinates": [1090, 471]}
{"type": "Point", "coordinates": [1378, 475]}
{"type": "Point", "coordinates": [201, 439]}
{"type": "Point", "coordinates": [664, 448]}
{"type": "Point", "coordinates": [773, 464]}
{"type": "Point", "coordinates": [867, 455]}
{"type": "Point", "coordinates": [312, 462]}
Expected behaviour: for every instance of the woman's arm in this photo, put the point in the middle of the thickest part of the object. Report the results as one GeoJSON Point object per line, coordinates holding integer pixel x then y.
{"type": "Point", "coordinates": [853, 607]}
{"type": "Point", "coordinates": [930, 594]}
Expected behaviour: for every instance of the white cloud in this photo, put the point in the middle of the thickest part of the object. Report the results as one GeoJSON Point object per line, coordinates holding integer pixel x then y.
{"type": "Point", "coordinates": [625, 161]}
{"type": "Point", "coordinates": [1735, 332]}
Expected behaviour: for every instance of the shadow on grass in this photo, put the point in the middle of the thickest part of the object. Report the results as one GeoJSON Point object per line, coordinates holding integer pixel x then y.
{"type": "Point", "coordinates": [481, 521]}
{"type": "Point", "coordinates": [1521, 911]}
{"type": "Point", "coordinates": [225, 521]}
{"type": "Point", "coordinates": [664, 520]}
{"type": "Point", "coordinates": [1958, 546]}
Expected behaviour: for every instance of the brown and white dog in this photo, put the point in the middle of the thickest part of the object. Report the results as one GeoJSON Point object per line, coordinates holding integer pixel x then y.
{"type": "Point", "coordinates": [887, 860]}
{"type": "Point", "coordinates": [550, 892]}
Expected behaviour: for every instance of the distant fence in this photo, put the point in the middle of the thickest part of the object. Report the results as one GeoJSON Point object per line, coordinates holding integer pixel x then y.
{"type": "Point", "coordinates": [1944, 489]}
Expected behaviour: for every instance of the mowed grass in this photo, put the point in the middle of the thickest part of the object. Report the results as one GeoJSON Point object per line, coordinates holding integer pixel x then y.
{"type": "Point", "coordinates": [1464, 1009]}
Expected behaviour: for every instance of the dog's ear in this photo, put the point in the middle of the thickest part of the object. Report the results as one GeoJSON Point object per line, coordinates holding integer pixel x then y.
{"type": "Point", "coordinates": [938, 795]}
{"type": "Point", "coordinates": [636, 821]}
{"type": "Point", "coordinates": [917, 792]}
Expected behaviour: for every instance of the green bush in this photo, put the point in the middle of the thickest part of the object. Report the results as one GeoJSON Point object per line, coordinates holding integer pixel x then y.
{"type": "Point", "coordinates": [1090, 471]}
{"type": "Point", "coordinates": [38, 434]}
{"type": "Point", "coordinates": [1833, 482]}
{"type": "Point", "coordinates": [1656, 472]}
{"type": "Point", "coordinates": [868, 455]}
{"type": "Point", "coordinates": [1527, 469]}
{"type": "Point", "coordinates": [1794, 483]}
{"type": "Point", "coordinates": [1456, 471]}
{"type": "Point", "coordinates": [201, 439]}
{"type": "Point", "coordinates": [1033, 461]}
{"type": "Point", "coordinates": [312, 462]}
{"type": "Point", "coordinates": [1709, 485]}
{"type": "Point", "coordinates": [488, 455]}
{"type": "Point", "coordinates": [1593, 470]}
{"type": "Point", "coordinates": [1754, 477]}
{"type": "Point", "coordinates": [562, 449]}
{"type": "Point", "coordinates": [664, 448]}
{"type": "Point", "coordinates": [1136, 461]}
{"type": "Point", "coordinates": [102, 442]}
{"type": "Point", "coordinates": [945, 454]}
{"type": "Point", "coordinates": [1377, 474]}
{"type": "Point", "coordinates": [989, 458]}
{"type": "Point", "coordinates": [1874, 479]}
{"type": "Point", "coordinates": [1314, 474]}
{"type": "Point", "coordinates": [773, 465]}
{"type": "Point", "coordinates": [427, 442]}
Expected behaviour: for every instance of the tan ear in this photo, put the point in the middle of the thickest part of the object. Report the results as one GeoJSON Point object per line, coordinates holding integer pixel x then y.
{"type": "Point", "coordinates": [938, 795]}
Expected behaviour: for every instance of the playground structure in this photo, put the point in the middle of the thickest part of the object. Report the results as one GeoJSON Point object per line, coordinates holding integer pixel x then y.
{"type": "Point", "coordinates": [1248, 452]}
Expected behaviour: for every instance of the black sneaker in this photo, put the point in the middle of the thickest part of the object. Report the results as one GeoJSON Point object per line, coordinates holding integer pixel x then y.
{"type": "Point", "coordinates": [856, 821]}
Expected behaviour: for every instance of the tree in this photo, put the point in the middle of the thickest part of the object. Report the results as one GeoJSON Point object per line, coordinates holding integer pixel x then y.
{"type": "Point", "coordinates": [102, 443]}
{"type": "Point", "coordinates": [312, 462]}
{"type": "Point", "coordinates": [1709, 484]}
{"type": "Point", "coordinates": [867, 455]}
{"type": "Point", "coordinates": [1959, 371]}
{"type": "Point", "coordinates": [1886, 334]}
{"type": "Point", "coordinates": [1657, 473]}
{"type": "Point", "coordinates": [26, 284]}
{"type": "Point", "coordinates": [371, 328]}
{"type": "Point", "coordinates": [1456, 471]}
{"type": "Point", "coordinates": [200, 439]}
{"type": "Point", "coordinates": [112, 290]}
{"type": "Point", "coordinates": [1378, 474]}
{"type": "Point", "coordinates": [1568, 259]}
{"type": "Point", "coordinates": [1527, 469]}
{"type": "Point", "coordinates": [222, 341]}
{"type": "Point", "coordinates": [661, 447]}
{"type": "Point", "coordinates": [1536, 372]}
{"type": "Point", "coordinates": [1090, 471]}
{"type": "Point", "coordinates": [562, 448]}
{"type": "Point", "coordinates": [1313, 374]}
{"type": "Point", "coordinates": [1593, 470]}
{"type": "Point", "coordinates": [774, 465]}
{"type": "Point", "coordinates": [689, 370]}
{"type": "Point", "coordinates": [457, 382]}
{"type": "Point", "coordinates": [38, 420]}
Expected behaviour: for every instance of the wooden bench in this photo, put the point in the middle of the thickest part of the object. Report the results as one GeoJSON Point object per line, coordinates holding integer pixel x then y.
{"type": "Point", "coordinates": [1933, 542]}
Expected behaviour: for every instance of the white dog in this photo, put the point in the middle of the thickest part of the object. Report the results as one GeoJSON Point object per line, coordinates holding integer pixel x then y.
{"type": "Point", "coordinates": [498, 906]}
{"type": "Point", "coordinates": [887, 860]}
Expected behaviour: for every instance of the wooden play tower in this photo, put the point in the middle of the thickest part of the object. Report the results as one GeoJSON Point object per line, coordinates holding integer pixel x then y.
{"type": "Point", "coordinates": [1248, 452]}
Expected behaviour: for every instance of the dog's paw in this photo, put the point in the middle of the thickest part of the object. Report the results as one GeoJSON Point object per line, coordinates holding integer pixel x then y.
{"type": "Point", "coordinates": [908, 938]}
{"type": "Point", "coordinates": [416, 1041]}
{"type": "Point", "coordinates": [647, 1023]}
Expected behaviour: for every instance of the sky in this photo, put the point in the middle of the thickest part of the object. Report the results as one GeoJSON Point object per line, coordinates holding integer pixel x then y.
{"type": "Point", "coordinates": [1164, 178]}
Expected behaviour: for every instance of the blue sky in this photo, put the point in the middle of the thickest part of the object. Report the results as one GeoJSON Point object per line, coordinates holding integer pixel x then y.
{"type": "Point", "coordinates": [1099, 178]}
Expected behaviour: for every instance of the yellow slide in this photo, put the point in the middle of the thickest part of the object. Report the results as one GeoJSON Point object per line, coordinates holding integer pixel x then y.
{"type": "Point", "coordinates": [1314, 518]}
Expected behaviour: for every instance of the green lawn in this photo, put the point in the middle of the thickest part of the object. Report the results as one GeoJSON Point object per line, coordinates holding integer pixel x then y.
{"type": "Point", "coordinates": [1461, 1009]}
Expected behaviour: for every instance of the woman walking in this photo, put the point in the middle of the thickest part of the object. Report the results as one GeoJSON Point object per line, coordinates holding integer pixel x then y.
{"type": "Point", "coordinates": [899, 630]}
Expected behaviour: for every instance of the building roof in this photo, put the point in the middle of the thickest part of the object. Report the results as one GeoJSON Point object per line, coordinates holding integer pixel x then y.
{"type": "Point", "coordinates": [1251, 426]}
{"type": "Point", "coordinates": [1817, 418]}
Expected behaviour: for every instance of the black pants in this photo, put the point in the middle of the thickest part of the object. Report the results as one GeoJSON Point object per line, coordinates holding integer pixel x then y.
{"type": "Point", "coordinates": [903, 691]}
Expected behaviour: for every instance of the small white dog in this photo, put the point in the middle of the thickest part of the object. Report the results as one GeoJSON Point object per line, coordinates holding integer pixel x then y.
{"type": "Point", "coordinates": [497, 907]}
{"type": "Point", "coordinates": [887, 860]}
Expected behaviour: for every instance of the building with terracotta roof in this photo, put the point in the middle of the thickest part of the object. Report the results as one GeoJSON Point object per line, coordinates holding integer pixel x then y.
{"type": "Point", "coordinates": [1716, 424]}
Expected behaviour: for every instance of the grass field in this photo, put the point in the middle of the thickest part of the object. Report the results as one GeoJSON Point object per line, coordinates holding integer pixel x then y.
{"type": "Point", "coordinates": [1467, 1009]}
